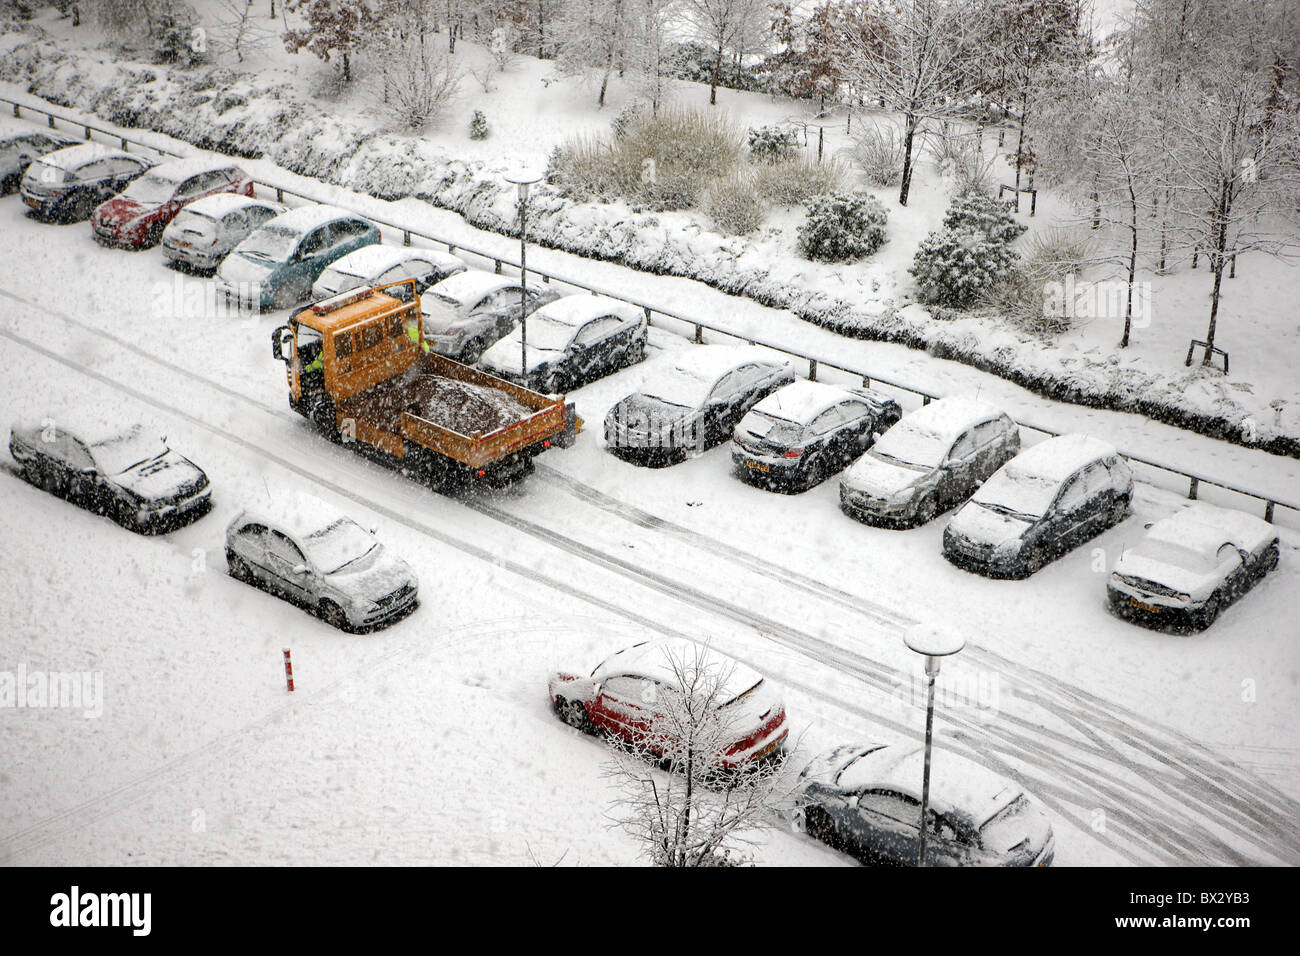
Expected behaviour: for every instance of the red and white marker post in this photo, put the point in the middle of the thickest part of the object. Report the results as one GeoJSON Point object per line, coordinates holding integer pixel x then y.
{"type": "Point", "coordinates": [288, 670]}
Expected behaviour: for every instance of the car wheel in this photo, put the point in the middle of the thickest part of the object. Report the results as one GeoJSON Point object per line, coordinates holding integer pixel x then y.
{"type": "Point", "coordinates": [817, 824]}
{"type": "Point", "coordinates": [472, 352]}
{"type": "Point", "coordinates": [574, 714]}
{"type": "Point", "coordinates": [636, 352]}
{"type": "Point", "coordinates": [553, 384]}
{"type": "Point", "coordinates": [1268, 561]}
{"type": "Point", "coordinates": [927, 509]}
{"type": "Point", "coordinates": [153, 236]}
{"type": "Point", "coordinates": [286, 296]}
{"type": "Point", "coordinates": [333, 615]}
{"type": "Point", "coordinates": [1035, 558]}
{"type": "Point", "coordinates": [238, 568]}
{"type": "Point", "coordinates": [1210, 613]}
{"type": "Point", "coordinates": [50, 483]}
{"type": "Point", "coordinates": [1118, 509]}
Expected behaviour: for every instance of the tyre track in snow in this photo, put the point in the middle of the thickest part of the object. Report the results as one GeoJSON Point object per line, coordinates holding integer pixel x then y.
{"type": "Point", "coordinates": [1028, 745]}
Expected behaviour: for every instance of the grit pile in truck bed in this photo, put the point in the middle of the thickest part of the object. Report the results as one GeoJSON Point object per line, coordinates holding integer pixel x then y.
{"type": "Point", "coordinates": [467, 408]}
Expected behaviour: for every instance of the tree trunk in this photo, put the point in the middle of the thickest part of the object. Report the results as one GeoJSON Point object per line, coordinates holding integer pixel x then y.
{"type": "Point", "coordinates": [908, 138]}
{"type": "Point", "coordinates": [1132, 264]}
{"type": "Point", "coordinates": [713, 87]}
{"type": "Point", "coordinates": [1217, 261]}
{"type": "Point", "coordinates": [347, 68]}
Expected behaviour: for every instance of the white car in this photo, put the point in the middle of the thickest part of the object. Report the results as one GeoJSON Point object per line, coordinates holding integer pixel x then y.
{"type": "Point", "coordinates": [377, 265]}
{"type": "Point", "coordinates": [1192, 564]}
{"type": "Point", "coordinates": [204, 232]}
{"type": "Point", "coordinates": [308, 553]}
{"type": "Point", "coordinates": [465, 314]}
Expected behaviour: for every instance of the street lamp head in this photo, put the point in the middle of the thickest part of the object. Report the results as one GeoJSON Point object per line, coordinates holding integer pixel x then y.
{"type": "Point", "coordinates": [523, 178]}
{"type": "Point", "coordinates": [933, 641]}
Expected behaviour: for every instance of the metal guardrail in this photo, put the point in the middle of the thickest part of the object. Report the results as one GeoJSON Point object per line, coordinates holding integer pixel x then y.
{"type": "Point", "coordinates": [1195, 482]}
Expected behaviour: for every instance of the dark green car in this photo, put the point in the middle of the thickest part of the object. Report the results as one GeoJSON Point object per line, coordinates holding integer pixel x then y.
{"type": "Point", "coordinates": [277, 264]}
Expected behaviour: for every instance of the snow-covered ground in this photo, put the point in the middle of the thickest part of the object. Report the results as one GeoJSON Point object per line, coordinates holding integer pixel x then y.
{"type": "Point", "coordinates": [1146, 748]}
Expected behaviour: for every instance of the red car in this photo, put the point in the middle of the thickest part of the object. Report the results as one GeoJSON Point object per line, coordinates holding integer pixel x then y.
{"type": "Point", "coordinates": [136, 218]}
{"type": "Point", "coordinates": [635, 696]}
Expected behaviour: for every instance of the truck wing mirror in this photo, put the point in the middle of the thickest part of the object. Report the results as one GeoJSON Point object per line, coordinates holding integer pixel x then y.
{"type": "Point", "coordinates": [281, 343]}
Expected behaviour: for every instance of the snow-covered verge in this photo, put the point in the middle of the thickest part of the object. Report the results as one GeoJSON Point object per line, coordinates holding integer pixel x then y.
{"type": "Point", "coordinates": [216, 109]}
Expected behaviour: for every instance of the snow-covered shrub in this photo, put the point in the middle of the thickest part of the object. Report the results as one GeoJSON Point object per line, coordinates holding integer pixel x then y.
{"type": "Point", "coordinates": [842, 228]}
{"type": "Point", "coordinates": [956, 266]}
{"type": "Point", "coordinates": [1060, 251]}
{"type": "Point", "coordinates": [583, 168]}
{"type": "Point", "coordinates": [796, 181]}
{"type": "Point", "coordinates": [772, 144]}
{"type": "Point", "coordinates": [990, 216]}
{"type": "Point", "coordinates": [695, 61]}
{"type": "Point", "coordinates": [1022, 297]}
{"type": "Point", "coordinates": [971, 167]}
{"type": "Point", "coordinates": [175, 35]}
{"type": "Point", "coordinates": [419, 81]}
{"type": "Point", "coordinates": [619, 124]}
{"type": "Point", "coordinates": [734, 203]}
{"type": "Point", "coordinates": [878, 152]}
{"type": "Point", "coordinates": [478, 126]}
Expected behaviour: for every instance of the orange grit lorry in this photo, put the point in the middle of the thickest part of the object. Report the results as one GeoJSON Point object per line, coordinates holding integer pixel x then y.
{"type": "Point", "coordinates": [358, 366]}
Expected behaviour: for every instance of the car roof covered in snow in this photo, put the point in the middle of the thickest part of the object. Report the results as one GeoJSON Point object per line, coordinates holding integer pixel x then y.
{"type": "Point", "coordinates": [1204, 527]}
{"type": "Point", "coordinates": [219, 205]}
{"type": "Point", "coordinates": [947, 418]}
{"type": "Point", "coordinates": [374, 259]}
{"type": "Point", "coordinates": [711, 362]}
{"type": "Point", "coordinates": [74, 157]}
{"type": "Point", "coordinates": [308, 217]}
{"type": "Point", "coordinates": [13, 128]}
{"type": "Point", "coordinates": [576, 309]}
{"type": "Point", "coordinates": [801, 401]}
{"type": "Point", "coordinates": [472, 284]}
{"type": "Point", "coordinates": [1058, 458]}
{"type": "Point", "coordinates": [176, 170]}
{"type": "Point", "coordinates": [957, 786]}
{"type": "Point", "coordinates": [88, 426]}
{"type": "Point", "coordinates": [656, 660]}
{"type": "Point", "coordinates": [296, 513]}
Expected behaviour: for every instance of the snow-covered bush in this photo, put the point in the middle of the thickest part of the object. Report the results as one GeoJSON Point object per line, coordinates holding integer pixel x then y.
{"type": "Point", "coordinates": [619, 124]}
{"type": "Point", "coordinates": [842, 228]}
{"type": "Point", "coordinates": [583, 168]}
{"type": "Point", "coordinates": [796, 181]}
{"type": "Point", "coordinates": [695, 61]}
{"type": "Point", "coordinates": [419, 81]}
{"type": "Point", "coordinates": [878, 152]}
{"type": "Point", "coordinates": [990, 216]}
{"type": "Point", "coordinates": [734, 203]}
{"type": "Point", "coordinates": [478, 126]}
{"type": "Point", "coordinates": [956, 266]}
{"type": "Point", "coordinates": [772, 144]}
{"type": "Point", "coordinates": [175, 38]}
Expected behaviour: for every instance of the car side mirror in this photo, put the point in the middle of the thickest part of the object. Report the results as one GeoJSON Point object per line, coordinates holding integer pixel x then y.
{"type": "Point", "coordinates": [1148, 525]}
{"type": "Point", "coordinates": [300, 569]}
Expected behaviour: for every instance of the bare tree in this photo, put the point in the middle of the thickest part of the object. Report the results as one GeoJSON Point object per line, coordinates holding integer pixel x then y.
{"type": "Point", "coordinates": [239, 29]}
{"type": "Point", "coordinates": [417, 78]}
{"type": "Point", "coordinates": [915, 55]}
{"type": "Point", "coordinates": [728, 26]}
{"type": "Point", "coordinates": [594, 37]}
{"type": "Point", "coordinates": [649, 23]}
{"type": "Point", "coordinates": [693, 810]}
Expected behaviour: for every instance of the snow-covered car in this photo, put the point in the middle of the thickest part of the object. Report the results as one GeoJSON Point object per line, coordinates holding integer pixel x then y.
{"type": "Point", "coordinates": [1191, 565]}
{"type": "Point", "coordinates": [866, 801]}
{"type": "Point", "coordinates": [693, 403]}
{"type": "Point", "coordinates": [136, 217]}
{"type": "Point", "coordinates": [276, 266]}
{"type": "Point", "coordinates": [635, 696]}
{"type": "Point", "coordinates": [804, 432]}
{"type": "Point", "coordinates": [469, 312]}
{"type": "Point", "coordinates": [20, 145]}
{"type": "Point", "coordinates": [204, 232]}
{"type": "Point", "coordinates": [573, 340]}
{"type": "Point", "coordinates": [1045, 501]}
{"type": "Point", "coordinates": [67, 184]}
{"type": "Point", "coordinates": [122, 470]}
{"type": "Point", "coordinates": [933, 458]}
{"type": "Point", "coordinates": [378, 265]}
{"type": "Point", "coordinates": [308, 553]}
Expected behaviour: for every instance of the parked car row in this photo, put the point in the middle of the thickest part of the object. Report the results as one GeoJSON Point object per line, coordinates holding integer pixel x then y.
{"type": "Point", "coordinates": [298, 548]}
{"type": "Point", "coordinates": [862, 799]}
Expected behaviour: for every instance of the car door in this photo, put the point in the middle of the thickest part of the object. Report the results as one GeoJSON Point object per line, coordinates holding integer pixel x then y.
{"type": "Point", "coordinates": [84, 483]}
{"type": "Point", "coordinates": [884, 826]}
{"type": "Point", "coordinates": [312, 255]}
{"type": "Point", "coordinates": [282, 558]}
{"type": "Point", "coordinates": [1099, 495]}
{"type": "Point", "coordinates": [1232, 571]}
{"type": "Point", "coordinates": [960, 467]}
{"type": "Point", "coordinates": [249, 544]}
{"type": "Point", "coordinates": [722, 408]}
{"type": "Point", "coordinates": [123, 170]}
{"type": "Point", "coordinates": [821, 436]}
{"type": "Point", "coordinates": [593, 347]}
{"type": "Point", "coordinates": [1069, 517]}
{"type": "Point", "coordinates": [625, 707]}
{"type": "Point", "coordinates": [93, 182]}
{"type": "Point", "coordinates": [500, 311]}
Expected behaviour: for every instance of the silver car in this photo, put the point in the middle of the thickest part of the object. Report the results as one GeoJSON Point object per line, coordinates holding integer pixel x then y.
{"type": "Point", "coordinates": [934, 458]}
{"type": "Point", "coordinates": [309, 554]}
{"type": "Point", "coordinates": [377, 265]}
{"type": "Point", "coordinates": [469, 312]}
{"type": "Point", "coordinates": [204, 232]}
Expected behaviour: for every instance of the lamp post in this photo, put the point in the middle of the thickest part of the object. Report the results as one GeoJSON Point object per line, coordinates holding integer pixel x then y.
{"type": "Point", "coordinates": [523, 179]}
{"type": "Point", "coordinates": [934, 644]}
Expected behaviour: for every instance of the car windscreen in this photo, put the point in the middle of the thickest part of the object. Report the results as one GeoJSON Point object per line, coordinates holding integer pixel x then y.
{"type": "Point", "coordinates": [547, 334]}
{"type": "Point", "coordinates": [778, 431]}
{"type": "Point", "coordinates": [116, 455]}
{"type": "Point", "coordinates": [150, 189]}
{"type": "Point", "coordinates": [1017, 493]}
{"type": "Point", "coordinates": [274, 243]}
{"type": "Point", "coordinates": [46, 174]}
{"type": "Point", "coordinates": [339, 280]}
{"type": "Point", "coordinates": [677, 387]}
{"type": "Point", "coordinates": [1170, 552]}
{"type": "Point", "coordinates": [337, 545]}
{"type": "Point", "coordinates": [195, 222]}
{"type": "Point", "coordinates": [907, 444]}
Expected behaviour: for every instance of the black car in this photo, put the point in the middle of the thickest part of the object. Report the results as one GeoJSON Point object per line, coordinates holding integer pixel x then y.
{"type": "Point", "coordinates": [1039, 505]}
{"type": "Point", "coordinates": [694, 403]}
{"type": "Point", "coordinates": [803, 433]}
{"type": "Point", "coordinates": [68, 184]}
{"type": "Point", "coordinates": [18, 148]}
{"type": "Point", "coordinates": [575, 339]}
{"type": "Point", "coordinates": [866, 801]}
{"type": "Point", "coordinates": [124, 472]}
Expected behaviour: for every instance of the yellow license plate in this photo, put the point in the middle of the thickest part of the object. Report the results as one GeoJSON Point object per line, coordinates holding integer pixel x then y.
{"type": "Point", "coordinates": [31, 202]}
{"type": "Point", "coordinates": [1145, 607]}
{"type": "Point", "coordinates": [759, 466]}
